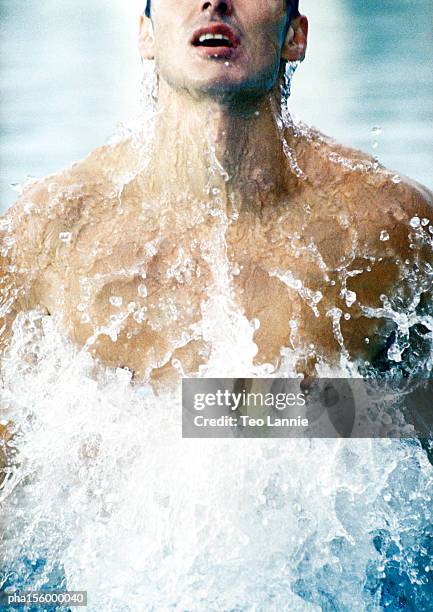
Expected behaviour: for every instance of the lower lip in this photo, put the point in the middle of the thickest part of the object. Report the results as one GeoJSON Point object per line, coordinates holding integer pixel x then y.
{"type": "Point", "coordinates": [216, 52]}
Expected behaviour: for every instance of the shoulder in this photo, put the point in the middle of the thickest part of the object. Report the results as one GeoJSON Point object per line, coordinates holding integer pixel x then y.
{"type": "Point", "coordinates": [61, 199]}
{"type": "Point", "coordinates": [376, 201]}
{"type": "Point", "coordinates": [394, 214]}
{"type": "Point", "coordinates": [50, 209]}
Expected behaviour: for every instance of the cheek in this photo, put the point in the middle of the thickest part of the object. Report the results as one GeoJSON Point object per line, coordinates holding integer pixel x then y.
{"type": "Point", "coordinates": [168, 49]}
{"type": "Point", "coordinates": [168, 33]}
{"type": "Point", "coordinates": [265, 45]}
{"type": "Point", "coordinates": [267, 30]}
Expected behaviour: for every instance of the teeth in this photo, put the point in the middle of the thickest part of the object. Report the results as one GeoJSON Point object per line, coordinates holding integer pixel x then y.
{"type": "Point", "coordinates": [204, 37]}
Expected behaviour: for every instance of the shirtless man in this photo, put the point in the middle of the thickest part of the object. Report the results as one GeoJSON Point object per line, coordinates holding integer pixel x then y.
{"type": "Point", "coordinates": [303, 235]}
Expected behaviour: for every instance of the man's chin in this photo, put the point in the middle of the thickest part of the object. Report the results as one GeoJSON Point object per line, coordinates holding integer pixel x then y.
{"type": "Point", "coordinates": [224, 87]}
{"type": "Point", "coordinates": [219, 87]}
{"type": "Point", "coordinates": [219, 82]}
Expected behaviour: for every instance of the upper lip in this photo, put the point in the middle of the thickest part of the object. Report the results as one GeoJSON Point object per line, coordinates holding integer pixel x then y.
{"type": "Point", "coordinates": [216, 28]}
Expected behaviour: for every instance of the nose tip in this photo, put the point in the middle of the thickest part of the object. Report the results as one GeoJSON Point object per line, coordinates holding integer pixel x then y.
{"type": "Point", "coordinates": [223, 7]}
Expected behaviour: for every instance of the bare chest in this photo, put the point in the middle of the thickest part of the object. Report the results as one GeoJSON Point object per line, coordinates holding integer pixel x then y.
{"type": "Point", "coordinates": [136, 293]}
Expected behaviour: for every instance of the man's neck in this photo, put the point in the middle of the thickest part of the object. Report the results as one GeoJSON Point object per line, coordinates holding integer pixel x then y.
{"type": "Point", "coordinates": [218, 148]}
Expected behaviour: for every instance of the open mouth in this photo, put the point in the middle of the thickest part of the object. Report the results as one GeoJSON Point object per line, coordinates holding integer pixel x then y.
{"type": "Point", "coordinates": [213, 40]}
{"type": "Point", "coordinates": [215, 36]}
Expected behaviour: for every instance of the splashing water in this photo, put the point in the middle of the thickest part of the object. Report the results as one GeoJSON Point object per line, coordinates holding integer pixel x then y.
{"type": "Point", "coordinates": [107, 496]}
{"type": "Point", "coordinates": [103, 494]}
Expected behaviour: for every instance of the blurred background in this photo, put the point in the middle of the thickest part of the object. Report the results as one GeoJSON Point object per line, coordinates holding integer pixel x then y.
{"type": "Point", "coordinates": [70, 72]}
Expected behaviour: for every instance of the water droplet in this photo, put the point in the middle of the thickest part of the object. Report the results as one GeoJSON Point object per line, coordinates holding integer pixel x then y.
{"type": "Point", "coordinates": [215, 191]}
{"type": "Point", "coordinates": [396, 179]}
{"type": "Point", "coordinates": [116, 301]}
{"type": "Point", "coordinates": [142, 291]}
{"type": "Point", "coordinates": [376, 130]}
{"type": "Point", "coordinates": [139, 316]}
{"type": "Point", "coordinates": [8, 241]}
{"type": "Point", "coordinates": [367, 340]}
{"type": "Point", "coordinates": [415, 222]}
{"type": "Point", "coordinates": [375, 144]}
{"type": "Point", "coordinates": [255, 323]}
{"type": "Point", "coordinates": [81, 307]}
{"type": "Point", "coordinates": [387, 497]}
{"type": "Point", "coordinates": [5, 225]}
{"type": "Point", "coordinates": [350, 298]}
{"type": "Point", "coordinates": [394, 353]}
{"type": "Point", "coordinates": [347, 316]}
{"type": "Point", "coordinates": [425, 221]}
{"type": "Point", "coordinates": [344, 220]}
{"type": "Point", "coordinates": [384, 236]}
{"type": "Point", "coordinates": [227, 64]}
{"type": "Point", "coordinates": [317, 297]}
{"type": "Point", "coordinates": [65, 237]}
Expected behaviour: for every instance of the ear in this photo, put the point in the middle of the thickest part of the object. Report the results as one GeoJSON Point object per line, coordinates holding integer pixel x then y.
{"type": "Point", "coordinates": [295, 45]}
{"type": "Point", "coordinates": [146, 39]}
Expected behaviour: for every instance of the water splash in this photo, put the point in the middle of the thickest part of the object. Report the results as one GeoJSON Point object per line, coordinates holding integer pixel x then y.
{"type": "Point", "coordinates": [105, 492]}
{"type": "Point", "coordinates": [284, 119]}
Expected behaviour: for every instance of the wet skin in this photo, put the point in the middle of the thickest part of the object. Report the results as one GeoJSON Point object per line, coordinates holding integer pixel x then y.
{"type": "Point", "coordinates": [148, 254]}
{"type": "Point", "coordinates": [79, 247]}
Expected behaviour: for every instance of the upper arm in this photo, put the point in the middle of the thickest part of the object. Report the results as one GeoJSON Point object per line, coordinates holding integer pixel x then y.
{"type": "Point", "coordinates": [8, 281]}
{"type": "Point", "coordinates": [396, 295]}
{"type": "Point", "coordinates": [22, 231]}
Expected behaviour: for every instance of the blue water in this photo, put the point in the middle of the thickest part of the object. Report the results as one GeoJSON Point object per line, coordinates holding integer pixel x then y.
{"type": "Point", "coordinates": [30, 575]}
{"type": "Point", "coordinates": [403, 583]}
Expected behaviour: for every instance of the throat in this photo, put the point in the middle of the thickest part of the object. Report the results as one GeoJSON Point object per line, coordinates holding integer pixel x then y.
{"type": "Point", "coordinates": [205, 147]}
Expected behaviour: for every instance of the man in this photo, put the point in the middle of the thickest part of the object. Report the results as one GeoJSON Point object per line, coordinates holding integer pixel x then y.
{"type": "Point", "coordinates": [238, 219]}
